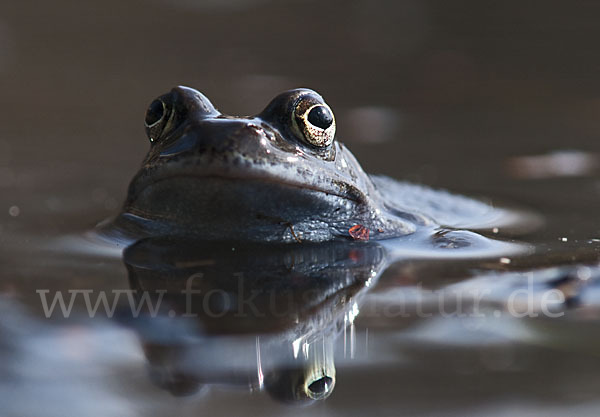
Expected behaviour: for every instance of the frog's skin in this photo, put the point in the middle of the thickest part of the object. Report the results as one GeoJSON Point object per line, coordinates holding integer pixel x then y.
{"type": "Point", "coordinates": [271, 177]}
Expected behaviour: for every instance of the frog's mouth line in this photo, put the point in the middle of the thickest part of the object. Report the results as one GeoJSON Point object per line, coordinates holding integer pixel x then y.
{"type": "Point", "coordinates": [352, 194]}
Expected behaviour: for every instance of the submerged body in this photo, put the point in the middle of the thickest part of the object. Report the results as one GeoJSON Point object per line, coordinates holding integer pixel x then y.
{"type": "Point", "coordinates": [279, 176]}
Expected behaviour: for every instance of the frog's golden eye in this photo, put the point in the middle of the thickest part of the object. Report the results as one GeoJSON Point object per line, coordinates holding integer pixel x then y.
{"type": "Point", "coordinates": [314, 122]}
{"type": "Point", "coordinates": [156, 118]}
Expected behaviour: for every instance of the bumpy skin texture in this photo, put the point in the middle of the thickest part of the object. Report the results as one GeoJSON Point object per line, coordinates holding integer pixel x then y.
{"type": "Point", "coordinates": [217, 177]}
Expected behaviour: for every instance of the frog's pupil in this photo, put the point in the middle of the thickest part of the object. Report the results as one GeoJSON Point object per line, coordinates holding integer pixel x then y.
{"type": "Point", "coordinates": [321, 117]}
{"type": "Point", "coordinates": [320, 386]}
{"type": "Point", "coordinates": [154, 113]}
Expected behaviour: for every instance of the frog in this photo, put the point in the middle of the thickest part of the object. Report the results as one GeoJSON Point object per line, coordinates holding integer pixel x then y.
{"type": "Point", "coordinates": [279, 176]}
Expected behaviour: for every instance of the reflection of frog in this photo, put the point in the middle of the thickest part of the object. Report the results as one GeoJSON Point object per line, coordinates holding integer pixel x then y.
{"type": "Point", "coordinates": [279, 176]}
{"type": "Point", "coordinates": [263, 316]}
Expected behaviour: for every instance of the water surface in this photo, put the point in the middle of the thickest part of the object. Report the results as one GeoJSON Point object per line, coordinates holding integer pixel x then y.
{"type": "Point", "coordinates": [497, 100]}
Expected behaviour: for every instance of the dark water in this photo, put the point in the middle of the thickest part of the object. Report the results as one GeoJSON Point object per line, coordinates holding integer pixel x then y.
{"type": "Point", "coordinates": [498, 100]}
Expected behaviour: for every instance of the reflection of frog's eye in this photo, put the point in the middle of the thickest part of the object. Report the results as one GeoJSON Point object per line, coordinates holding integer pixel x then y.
{"type": "Point", "coordinates": [155, 119]}
{"type": "Point", "coordinates": [320, 388]}
{"type": "Point", "coordinates": [314, 122]}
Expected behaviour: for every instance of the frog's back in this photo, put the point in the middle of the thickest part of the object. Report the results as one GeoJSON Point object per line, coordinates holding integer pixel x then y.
{"type": "Point", "coordinates": [445, 209]}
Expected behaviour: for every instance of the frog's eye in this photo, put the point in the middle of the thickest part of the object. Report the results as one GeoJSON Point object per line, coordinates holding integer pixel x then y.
{"type": "Point", "coordinates": [314, 122]}
{"type": "Point", "coordinates": [155, 113]}
{"type": "Point", "coordinates": [156, 118]}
